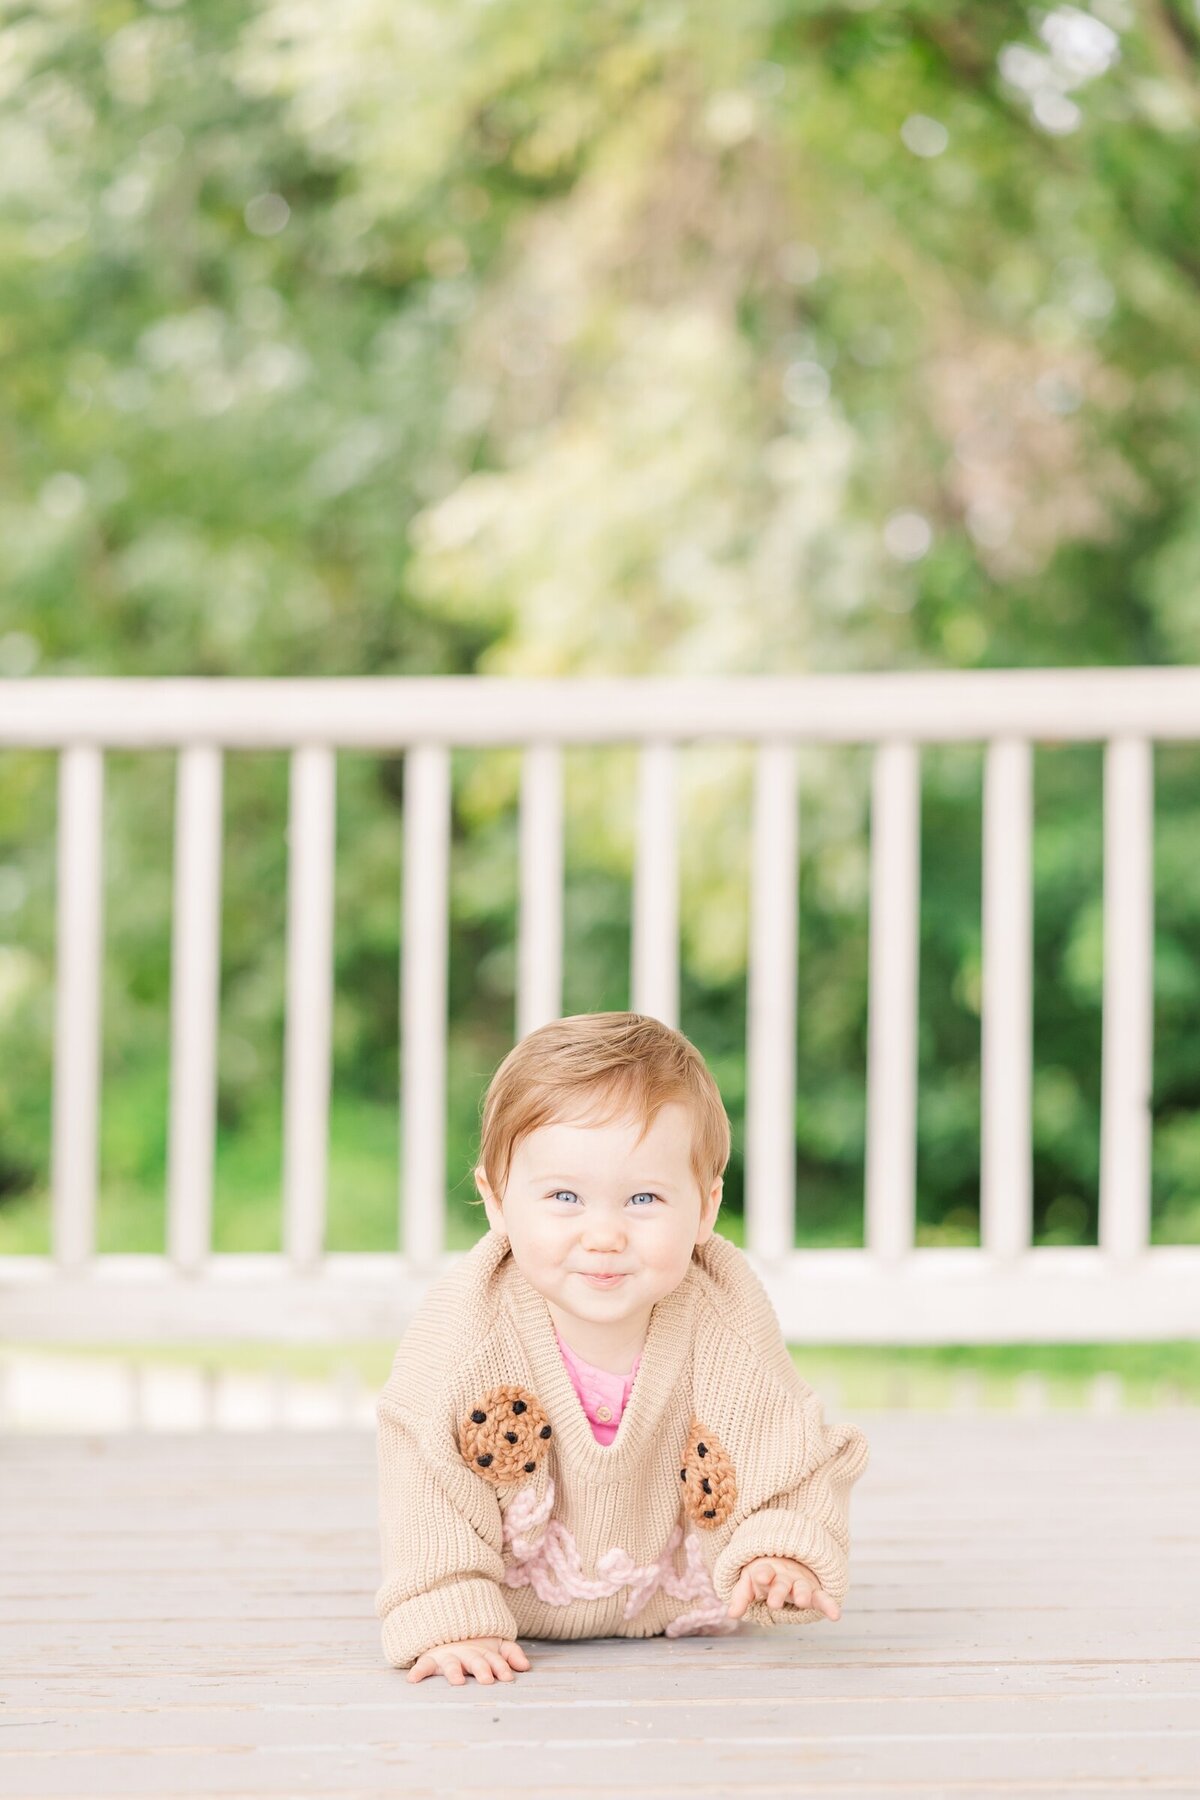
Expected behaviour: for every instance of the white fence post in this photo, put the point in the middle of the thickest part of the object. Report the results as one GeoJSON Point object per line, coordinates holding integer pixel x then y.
{"type": "Point", "coordinates": [892, 1001]}
{"type": "Point", "coordinates": [195, 986]}
{"type": "Point", "coordinates": [655, 974]}
{"type": "Point", "coordinates": [309, 1015]}
{"type": "Point", "coordinates": [771, 1006]}
{"type": "Point", "coordinates": [1128, 1030]}
{"type": "Point", "coordinates": [424, 995]}
{"type": "Point", "coordinates": [1006, 1198]}
{"type": "Point", "coordinates": [76, 1098]}
{"type": "Point", "coordinates": [540, 915]}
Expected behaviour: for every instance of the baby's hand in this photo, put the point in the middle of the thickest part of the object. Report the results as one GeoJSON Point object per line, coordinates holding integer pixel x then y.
{"type": "Point", "coordinates": [488, 1658]}
{"type": "Point", "coordinates": [777, 1579]}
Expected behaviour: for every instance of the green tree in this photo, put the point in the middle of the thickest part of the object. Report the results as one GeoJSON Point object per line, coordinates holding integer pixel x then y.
{"type": "Point", "coordinates": [448, 338]}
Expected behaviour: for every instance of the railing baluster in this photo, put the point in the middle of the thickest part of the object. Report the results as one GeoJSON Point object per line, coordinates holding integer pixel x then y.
{"type": "Point", "coordinates": [424, 1000]}
{"type": "Point", "coordinates": [77, 1049]}
{"type": "Point", "coordinates": [1006, 1198]}
{"type": "Point", "coordinates": [540, 926]}
{"type": "Point", "coordinates": [771, 1006]}
{"type": "Point", "coordinates": [195, 993]}
{"type": "Point", "coordinates": [655, 975]}
{"type": "Point", "coordinates": [1128, 1029]}
{"type": "Point", "coordinates": [306, 1072]}
{"type": "Point", "coordinates": [892, 1001]}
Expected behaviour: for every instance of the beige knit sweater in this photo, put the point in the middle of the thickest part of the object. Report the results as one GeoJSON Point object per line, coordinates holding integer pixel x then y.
{"type": "Point", "coordinates": [500, 1514]}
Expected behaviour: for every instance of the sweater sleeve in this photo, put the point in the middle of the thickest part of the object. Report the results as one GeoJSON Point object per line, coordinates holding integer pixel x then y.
{"type": "Point", "coordinates": [808, 1520]}
{"type": "Point", "coordinates": [440, 1537]}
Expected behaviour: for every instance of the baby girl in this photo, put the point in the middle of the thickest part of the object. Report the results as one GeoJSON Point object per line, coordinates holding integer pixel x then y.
{"type": "Point", "coordinates": [593, 1427]}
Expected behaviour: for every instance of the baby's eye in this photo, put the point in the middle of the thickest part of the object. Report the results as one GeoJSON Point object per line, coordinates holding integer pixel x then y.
{"type": "Point", "coordinates": [568, 1194]}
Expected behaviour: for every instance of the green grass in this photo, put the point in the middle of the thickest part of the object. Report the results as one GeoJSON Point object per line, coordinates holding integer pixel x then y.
{"type": "Point", "coordinates": [865, 1376]}
{"type": "Point", "coordinates": [363, 1190]}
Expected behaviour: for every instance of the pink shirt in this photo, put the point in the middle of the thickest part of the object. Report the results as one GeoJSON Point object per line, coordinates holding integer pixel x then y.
{"type": "Point", "coordinates": [602, 1396]}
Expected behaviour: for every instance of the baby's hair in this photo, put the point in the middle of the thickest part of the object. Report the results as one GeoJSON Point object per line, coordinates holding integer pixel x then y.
{"type": "Point", "coordinates": [592, 1068]}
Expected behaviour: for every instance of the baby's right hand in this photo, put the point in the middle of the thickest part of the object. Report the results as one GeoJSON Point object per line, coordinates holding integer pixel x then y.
{"type": "Point", "coordinates": [486, 1657]}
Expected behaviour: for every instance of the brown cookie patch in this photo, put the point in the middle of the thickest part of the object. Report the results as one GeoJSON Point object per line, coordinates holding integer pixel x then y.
{"type": "Point", "coordinates": [504, 1436]}
{"type": "Point", "coordinates": [707, 1479]}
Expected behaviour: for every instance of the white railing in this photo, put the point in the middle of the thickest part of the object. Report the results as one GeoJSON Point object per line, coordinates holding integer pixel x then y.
{"type": "Point", "coordinates": [888, 1292]}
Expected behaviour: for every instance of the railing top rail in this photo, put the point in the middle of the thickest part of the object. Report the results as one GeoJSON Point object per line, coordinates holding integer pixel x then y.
{"type": "Point", "coordinates": [390, 712]}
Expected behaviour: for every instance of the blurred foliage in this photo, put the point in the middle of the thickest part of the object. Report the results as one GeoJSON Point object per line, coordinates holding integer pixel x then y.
{"type": "Point", "coordinates": [443, 337]}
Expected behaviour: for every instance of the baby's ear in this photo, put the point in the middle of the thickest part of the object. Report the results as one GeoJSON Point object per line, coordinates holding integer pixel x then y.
{"type": "Point", "coordinates": [491, 1204]}
{"type": "Point", "coordinates": [710, 1207]}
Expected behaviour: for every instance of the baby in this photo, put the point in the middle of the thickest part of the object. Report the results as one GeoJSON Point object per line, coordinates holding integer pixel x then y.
{"type": "Point", "coordinates": [592, 1426]}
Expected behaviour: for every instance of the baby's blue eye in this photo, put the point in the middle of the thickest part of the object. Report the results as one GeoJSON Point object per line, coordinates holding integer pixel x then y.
{"type": "Point", "coordinates": [573, 1196]}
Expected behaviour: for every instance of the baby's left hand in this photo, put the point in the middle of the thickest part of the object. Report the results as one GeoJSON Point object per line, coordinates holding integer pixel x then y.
{"type": "Point", "coordinates": [777, 1579]}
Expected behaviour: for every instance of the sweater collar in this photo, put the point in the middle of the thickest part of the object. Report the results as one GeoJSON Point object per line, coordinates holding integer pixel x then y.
{"type": "Point", "coordinates": [663, 1356]}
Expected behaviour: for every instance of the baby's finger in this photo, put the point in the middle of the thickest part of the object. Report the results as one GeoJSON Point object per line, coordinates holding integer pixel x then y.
{"type": "Point", "coordinates": [516, 1656]}
{"type": "Point", "coordinates": [479, 1666]}
{"type": "Point", "coordinates": [778, 1591]}
{"type": "Point", "coordinates": [500, 1668]}
{"type": "Point", "coordinates": [423, 1666]}
{"type": "Point", "coordinates": [739, 1600]}
{"type": "Point", "coordinates": [804, 1594]}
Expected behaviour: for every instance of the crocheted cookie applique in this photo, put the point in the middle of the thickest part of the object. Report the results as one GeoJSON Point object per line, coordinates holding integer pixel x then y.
{"type": "Point", "coordinates": [709, 1484]}
{"type": "Point", "coordinates": [504, 1436]}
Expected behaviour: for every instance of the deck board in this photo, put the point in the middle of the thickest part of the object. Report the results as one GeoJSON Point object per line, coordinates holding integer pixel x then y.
{"type": "Point", "coordinates": [192, 1615]}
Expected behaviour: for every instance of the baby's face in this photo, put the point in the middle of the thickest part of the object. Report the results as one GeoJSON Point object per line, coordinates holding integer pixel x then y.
{"type": "Point", "coordinates": [585, 1200]}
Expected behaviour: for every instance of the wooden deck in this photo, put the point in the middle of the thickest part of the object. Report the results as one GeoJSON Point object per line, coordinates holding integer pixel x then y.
{"type": "Point", "coordinates": [192, 1615]}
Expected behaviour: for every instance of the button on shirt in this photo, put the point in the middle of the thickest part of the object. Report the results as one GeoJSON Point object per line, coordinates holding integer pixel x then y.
{"type": "Point", "coordinates": [602, 1396]}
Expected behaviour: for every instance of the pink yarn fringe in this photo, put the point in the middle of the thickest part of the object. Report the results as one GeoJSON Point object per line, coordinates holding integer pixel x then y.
{"type": "Point", "coordinates": [552, 1567]}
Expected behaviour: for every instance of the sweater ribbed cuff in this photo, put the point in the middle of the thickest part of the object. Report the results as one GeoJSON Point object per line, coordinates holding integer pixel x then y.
{"type": "Point", "coordinates": [775, 1531]}
{"type": "Point", "coordinates": [447, 1615]}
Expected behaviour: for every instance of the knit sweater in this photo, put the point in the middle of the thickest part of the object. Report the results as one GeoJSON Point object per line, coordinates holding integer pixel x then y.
{"type": "Point", "coordinates": [500, 1514]}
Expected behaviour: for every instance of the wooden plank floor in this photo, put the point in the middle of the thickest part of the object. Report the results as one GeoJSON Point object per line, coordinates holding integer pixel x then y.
{"type": "Point", "coordinates": [192, 1615]}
